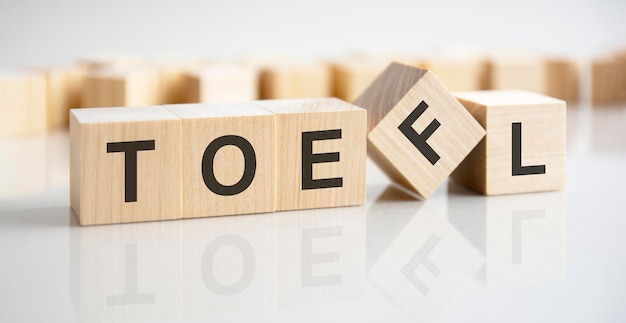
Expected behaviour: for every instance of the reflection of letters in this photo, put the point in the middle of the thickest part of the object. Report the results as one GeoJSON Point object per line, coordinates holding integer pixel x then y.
{"type": "Point", "coordinates": [309, 258]}
{"type": "Point", "coordinates": [516, 243]}
{"type": "Point", "coordinates": [130, 295]}
{"type": "Point", "coordinates": [249, 264]}
{"type": "Point", "coordinates": [421, 258]}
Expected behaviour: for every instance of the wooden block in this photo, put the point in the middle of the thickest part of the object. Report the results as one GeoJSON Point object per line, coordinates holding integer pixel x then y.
{"type": "Point", "coordinates": [321, 256]}
{"type": "Point", "coordinates": [295, 79]}
{"type": "Point", "coordinates": [458, 74]}
{"type": "Point", "coordinates": [620, 69]}
{"type": "Point", "coordinates": [125, 273]}
{"type": "Point", "coordinates": [562, 79]}
{"type": "Point", "coordinates": [121, 88]}
{"type": "Point", "coordinates": [419, 132]}
{"type": "Point", "coordinates": [22, 103]}
{"type": "Point", "coordinates": [604, 81]}
{"type": "Point", "coordinates": [229, 158]}
{"type": "Point", "coordinates": [172, 83]}
{"type": "Point", "coordinates": [229, 266]}
{"type": "Point", "coordinates": [222, 82]}
{"type": "Point", "coordinates": [352, 76]}
{"type": "Point", "coordinates": [517, 71]}
{"type": "Point", "coordinates": [64, 87]}
{"type": "Point", "coordinates": [524, 149]}
{"type": "Point", "coordinates": [321, 149]}
{"type": "Point", "coordinates": [125, 165]}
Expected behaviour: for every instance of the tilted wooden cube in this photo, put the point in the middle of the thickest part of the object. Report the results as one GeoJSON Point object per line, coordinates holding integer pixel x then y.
{"type": "Point", "coordinates": [524, 149]}
{"type": "Point", "coordinates": [228, 163]}
{"type": "Point", "coordinates": [125, 165]}
{"type": "Point", "coordinates": [419, 132]}
{"type": "Point", "coordinates": [320, 153]}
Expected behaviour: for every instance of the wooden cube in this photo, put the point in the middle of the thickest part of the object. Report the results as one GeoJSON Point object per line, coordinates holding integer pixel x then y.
{"type": "Point", "coordinates": [22, 103]}
{"type": "Point", "coordinates": [517, 71]}
{"type": "Point", "coordinates": [524, 149]}
{"type": "Point", "coordinates": [121, 88]}
{"type": "Point", "coordinates": [604, 81]}
{"type": "Point", "coordinates": [419, 132]}
{"type": "Point", "coordinates": [320, 153]}
{"type": "Point", "coordinates": [172, 82]}
{"type": "Point", "coordinates": [125, 165]}
{"type": "Point", "coordinates": [458, 73]}
{"type": "Point", "coordinates": [562, 79]}
{"type": "Point", "coordinates": [64, 88]}
{"type": "Point", "coordinates": [222, 82]}
{"type": "Point", "coordinates": [229, 158]}
{"type": "Point", "coordinates": [352, 76]}
{"type": "Point", "coordinates": [295, 79]}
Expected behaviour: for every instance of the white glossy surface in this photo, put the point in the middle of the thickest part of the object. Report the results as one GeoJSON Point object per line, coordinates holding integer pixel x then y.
{"type": "Point", "coordinates": [545, 257]}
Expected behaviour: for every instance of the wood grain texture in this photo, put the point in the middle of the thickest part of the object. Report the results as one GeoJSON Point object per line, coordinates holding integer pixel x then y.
{"type": "Point", "coordinates": [220, 82]}
{"type": "Point", "coordinates": [295, 79]}
{"type": "Point", "coordinates": [202, 124]}
{"type": "Point", "coordinates": [97, 178]}
{"type": "Point", "coordinates": [394, 96]}
{"type": "Point", "coordinates": [293, 118]}
{"type": "Point", "coordinates": [121, 88]}
{"type": "Point", "coordinates": [489, 168]}
{"type": "Point", "coordinates": [22, 103]}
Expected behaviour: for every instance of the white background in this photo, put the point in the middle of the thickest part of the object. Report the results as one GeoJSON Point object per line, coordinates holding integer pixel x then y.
{"type": "Point", "coordinates": [41, 32]}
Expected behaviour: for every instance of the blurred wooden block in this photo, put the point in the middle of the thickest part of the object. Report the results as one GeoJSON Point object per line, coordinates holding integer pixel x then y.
{"type": "Point", "coordinates": [121, 88]}
{"type": "Point", "coordinates": [22, 103]}
{"type": "Point", "coordinates": [172, 83]}
{"type": "Point", "coordinates": [321, 149]}
{"type": "Point", "coordinates": [125, 165]}
{"type": "Point", "coordinates": [23, 166]}
{"type": "Point", "coordinates": [228, 166]}
{"type": "Point", "coordinates": [620, 92]}
{"type": "Point", "coordinates": [222, 82]}
{"type": "Point", "coordinates": [64, 87]}
{"type": "Point", "coordinates": [562, 79]}
{"type": "Point", "coordinates": [604, 79]}
{"type": "Point", "coordinates": [419, 132]}
{"type": "Point", "coordinates": [352, 76]}
{"type": "Point", "coordinates": [458, 74]}
{"type": "Point", "coordinates": [524, 149]}
{"type": "Point", "coordinates": [524, 72]}
{"type": "Point", "coordinates": [295, 79]}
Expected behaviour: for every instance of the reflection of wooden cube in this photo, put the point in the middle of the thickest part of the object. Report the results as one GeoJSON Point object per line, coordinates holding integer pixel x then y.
{"type": "Point", "coordinates": [321, 149]}
{"type": "Point", "coordinates": [419, 131]}
{"type": "Point", "coordinates": [22, 103]}
{"type": "Point", "coordinates": [295, 79]}
{"type": "Point", "coordinates": [125, 165]}
{"type": "Point", "coordinates": [64, 93]}
{"type": "Point", "coordinates": [321, 256]}
{"type": "Point", "coordinates": [121, 88]}
{"type": "Point", "coordinates": [222, 82]}
{"type": "Point", "coordinates": [524, 149]}
{"type": "Point", "coordinates": [526, 238]}
{"type": "Point", "coordinates": [229, 160]}
{"type": "Point", "coordinates": [125, 273]}
{"type": "Point", "coordinates": [228, 266]}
